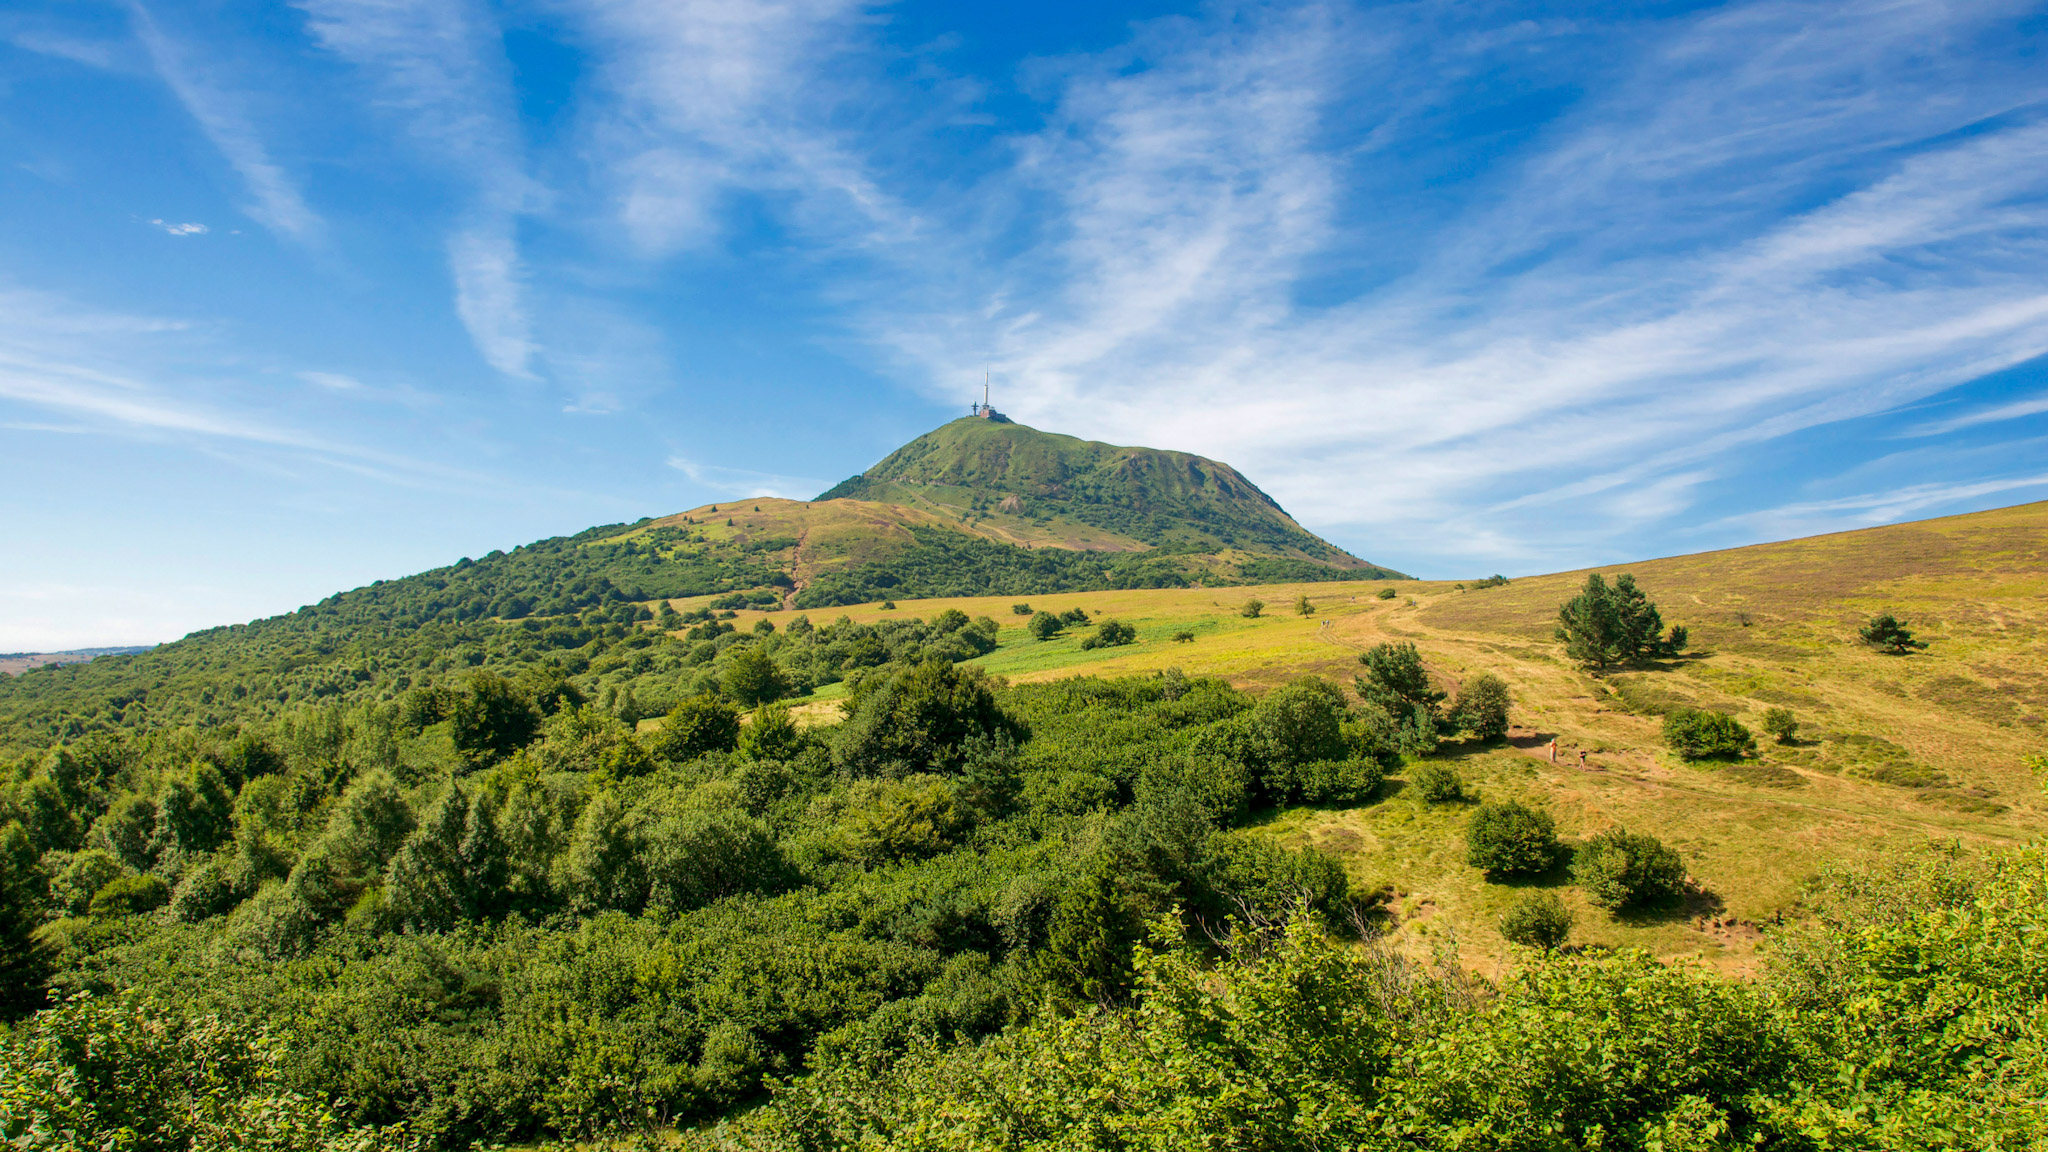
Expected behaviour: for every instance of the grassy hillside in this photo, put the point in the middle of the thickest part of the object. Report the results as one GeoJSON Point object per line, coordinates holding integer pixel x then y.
{"type": "Point", "coordinates": [380, 863]}
{"type": "Point", "coordinates": [1893, 751]}
{"type": "Point", "coordinates": [1035, 488]}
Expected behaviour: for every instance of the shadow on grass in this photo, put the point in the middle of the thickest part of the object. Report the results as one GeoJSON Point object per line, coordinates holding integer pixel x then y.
{"type": "Point", "coordinates": [1695, 902]}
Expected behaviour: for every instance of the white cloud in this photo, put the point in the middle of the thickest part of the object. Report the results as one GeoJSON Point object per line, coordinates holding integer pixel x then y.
{"type": "Point", "coordinates": [1746, 235]}
{"type": "Point", "coordinates": [1868, 508]}
{"type": "Point", "coordinates": [489, 295]}
{"type": "Point", "coordinates": [278, 203]}
{"type": "Point", "coordinates": [707, 99]}
{"type": "Point", "coordinates": [113, 374]}
{"type": "Point", "coordinates": [335, 381]}
{"type": "Point", "coordinates": [439, 68]}
{"type": "Point", "coordinates": [2013, 411]}
{"type": "Point", "coordinates": [180, 229]}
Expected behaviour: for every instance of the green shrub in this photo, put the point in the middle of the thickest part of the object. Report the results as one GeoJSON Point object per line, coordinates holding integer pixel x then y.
{"type": "Point", "coordinates": [1299, 722]}
{"type": "Point", "coordinates": [1333, 781]}
{"type": "Point", "coordinates": [1482, 707]}
{"type": "Point", "coordinates": [1696, 734]}
{"type": "Point", "coordinates": [1303, 606]}
{"type": "Point", "coordinates": [771, 734]}
{"type": "Point", "coordinates": [1387, 594]}
{"type": "Point", "coordinates": [754, 678]}
{"type": "Point", "coordinates": [1044, 626]}
{"type": "Point", "coordinates": [1536, 920]}
{"type": "Point", "coordinates": [1111, 634]}
{"type": "Point", "coordinates": [130, 895]}
{"type": "Point", "coordinates": [1780, 723]}
{"type": "Point", "coordinates": [1251, 609]}
{"type": "Point", "coordinates": [699, 725]}
{"type": "Point", "coordinates": [1436, 782]}
{"type": "Point", "coordinates": [1509, 839]}
{"type": "Point", "coordinates": [1020, 609]}
{"type": "Point", "coordinates": [1183, 637]}
{"type": "Point", "coordinates": [1619, 869]}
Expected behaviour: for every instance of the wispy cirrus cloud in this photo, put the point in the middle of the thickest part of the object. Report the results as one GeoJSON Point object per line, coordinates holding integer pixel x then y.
{"type": "Point", "coordinates": [702, 101]}
{"type": "Point", "coordinates": [109, 373]}
{"type": "Point", "coordinates": [1742, 234]}
{"type": "Point", "coordinates": [439, 69]}
{"type": "Point", "coordinates": [277, 202]}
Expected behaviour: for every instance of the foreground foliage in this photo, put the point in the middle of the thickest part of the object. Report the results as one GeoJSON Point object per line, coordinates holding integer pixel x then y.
{"type": "Point", "coordinates": [1909, 1017]}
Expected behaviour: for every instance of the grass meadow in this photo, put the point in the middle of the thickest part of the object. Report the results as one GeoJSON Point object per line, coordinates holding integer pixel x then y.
{"type": "Point", "coordinates": [1894, 752]}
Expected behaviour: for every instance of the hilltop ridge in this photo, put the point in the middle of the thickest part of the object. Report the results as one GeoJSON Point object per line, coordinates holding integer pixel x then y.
{"type": "Point", "coordinates": [1010, 477]}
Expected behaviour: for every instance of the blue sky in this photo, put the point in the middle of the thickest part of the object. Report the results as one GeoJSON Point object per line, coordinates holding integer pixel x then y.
{"type": "Point", "coordinates": [298, 296]}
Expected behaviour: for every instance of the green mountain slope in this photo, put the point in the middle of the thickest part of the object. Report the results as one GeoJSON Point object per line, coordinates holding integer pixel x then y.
{"type": "Point", "coordinates": [1079, 517]}
{"type": "Point", "coordinates": [1007, 479]}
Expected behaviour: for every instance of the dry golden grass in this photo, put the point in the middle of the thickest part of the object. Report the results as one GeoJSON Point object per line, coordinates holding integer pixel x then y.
{"type": "Point", "coordinates": [1772, 624]}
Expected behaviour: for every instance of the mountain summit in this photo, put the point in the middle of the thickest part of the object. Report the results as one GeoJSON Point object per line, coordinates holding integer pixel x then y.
{"type": "Point", "coordinates": [984, 505]}
{"type": "Point", "coordinates": [1010, 481]}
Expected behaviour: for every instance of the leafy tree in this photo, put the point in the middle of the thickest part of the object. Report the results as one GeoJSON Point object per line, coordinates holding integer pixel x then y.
{"type": "Point", "coordinates": [1536, 920]}
{"type": "Point", "coordinates": [698, 725]}
{"type": "Point", "coordinates": [1395, 679]}
{"type": "Point", "coordinates": [921, 720]}
{"type": "Point", "coordinates": [1701, 735]}
{"type": "Point", "coordinates": [1075, 617]}
{"type": "Point", "coordinates": [894, 820]}
{"type": "Point", "coordinates": [194, 815]}
{"type": "Point", "coordinates": [1509, 839]}
{"type": "Point", "coordinates": [1781, 724]}
{"type": "Point", "coordinates": [490, 718]}
{"type": "Point", "coordinates": [1044, 626]}
{"type": "Point", "coordinates": [1436, 782]}
{"type": "Point", "coordinates": [130, 895]}
{"type": "Point", "coordinates": [603, 867]}
{"type": "Point", "coordinates": [694, 858]}
{"type": "Point", "coordinates": [1300, 723]}
{"type": "Point", "coordinates": [1482, 707]}
{"type": "Point", "coordinates": [1619, 869]}
{"type": "Point", "coordinates": [453, 867]}
{"type": "Point", "coordinates": [754, 678]}
{"type": "Point", "coordinates": [1887, 633]}
{"type": "Point", "coordinates": [772, 734]}
{"type": "Point", "coordinates": [24, 961]}
{"type": "Point", "coordinates": [1020, 609]}
{"type": "Point", "coordinates": [1183, 637]}
{"type": "Point", "coordinates": [1251, 609]}
{"type": "Point", "coordinates": [1111, 634]}
{"type": "Point", "coordinates": [1303, 606]}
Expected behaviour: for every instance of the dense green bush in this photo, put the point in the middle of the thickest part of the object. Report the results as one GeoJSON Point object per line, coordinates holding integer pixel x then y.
{"type": "Point", "coordinates": [1111, 634]}
{"type": "Point", "coordinates": [1618, 869]}
{"type": "Point", "coordinates": [130, 895]}
{"type": "Point", "coordinates": [1508, 839]}
{"type": "Point", "coordinates": [1781, 724]}
{"type": "Point", "coordinates": [1436, 782]}
{"type": "Point", "coordinates": [1536, 920]}
{"type": "Point", "coordinates": [1696, 734]}
{"type": "Point", "coordinates": [1482, 707]}
{"type": "Point", "coordinates": [694, 727]}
